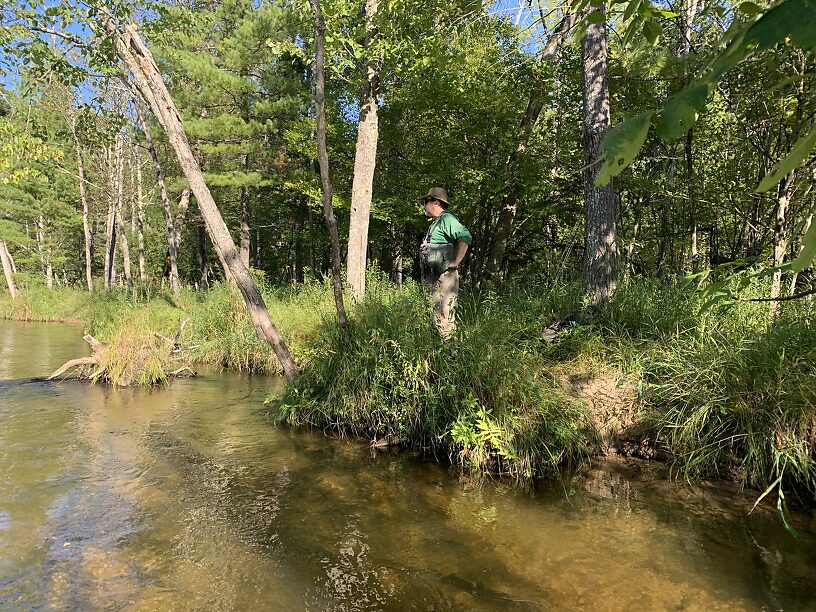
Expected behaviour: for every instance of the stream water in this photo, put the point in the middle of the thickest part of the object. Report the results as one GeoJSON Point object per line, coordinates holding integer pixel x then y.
{"type": "Point", "coordinates": [188, 497]}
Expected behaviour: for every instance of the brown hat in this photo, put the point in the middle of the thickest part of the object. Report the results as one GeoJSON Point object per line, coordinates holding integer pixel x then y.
{"type": "Point", "coordinates": [436, 193]}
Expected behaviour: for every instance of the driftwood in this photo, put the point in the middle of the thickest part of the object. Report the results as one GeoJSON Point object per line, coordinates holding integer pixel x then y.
{"type": "Point", "coordinates": [96, 346]}
{"type": "Point", "coordinates": [121, 365]}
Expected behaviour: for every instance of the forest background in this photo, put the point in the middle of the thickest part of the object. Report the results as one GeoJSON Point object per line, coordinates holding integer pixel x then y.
{"type": "Point", "coordinates": [689, 271]}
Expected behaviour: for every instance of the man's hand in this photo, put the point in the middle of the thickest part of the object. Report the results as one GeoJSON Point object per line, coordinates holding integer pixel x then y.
{"type": "Point", "coordinates": [461, 249]}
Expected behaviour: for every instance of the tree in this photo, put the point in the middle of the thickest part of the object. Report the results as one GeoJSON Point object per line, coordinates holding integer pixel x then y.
{"type": "Point", "coordinates": [599, 202]}
{"type": "Point", "coordinates": [323, 160]}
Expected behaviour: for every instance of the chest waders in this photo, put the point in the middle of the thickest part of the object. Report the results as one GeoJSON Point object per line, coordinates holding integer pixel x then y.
{"type": "Point", "coordinates": [434, 258]}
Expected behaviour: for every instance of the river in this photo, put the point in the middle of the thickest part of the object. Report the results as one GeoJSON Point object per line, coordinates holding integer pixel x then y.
{"type": "Point", "coordinates": [189, 497]}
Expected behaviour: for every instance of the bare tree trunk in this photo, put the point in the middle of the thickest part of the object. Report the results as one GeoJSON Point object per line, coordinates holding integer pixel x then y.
{"type": "Point", "coordinates": [168, 213]}
{"type": "Point", "coordinates": [203, 259]}
{"type": "Point", "coordinates": [323, 162]}
{"type": "Point", "coordinates": [140, 218]}
{"type": "Point", "coordinates": [151, 86]}
{"type": "Point", "coordinates": [365, 159]}
{"type": "Point", "coordinates": [600, 204]}
{"type": "Point", "coordinates": [245, 233]}
{"type": "Point", "coordinates": [110, 247]}
{"type": "Point", "coordinates": [83, 196]}
{"type": "Point", "coordinates": [43, 252]}
{"type": "Point", "coordinates": [780, 240]}
{"type": "Point", "coordinates": [121, 228]}
{"type": "Point", "coordinates": [181, 216]}
{"type": "Point", "coordinates": [5, 258]}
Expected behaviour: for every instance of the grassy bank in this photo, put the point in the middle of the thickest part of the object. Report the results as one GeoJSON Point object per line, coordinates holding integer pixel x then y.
{"type": "Point", "coordinates": [720, 392]}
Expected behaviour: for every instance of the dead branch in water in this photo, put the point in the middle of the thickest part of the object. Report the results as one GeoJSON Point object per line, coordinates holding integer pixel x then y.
{"type": "Point", "coordinates": [130, 359]}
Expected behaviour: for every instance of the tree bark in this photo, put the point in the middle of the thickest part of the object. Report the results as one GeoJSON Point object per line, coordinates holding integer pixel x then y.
{"type": "Point", "coordinates": [600, 204]}
{"type": "Point", "coordinates": [150, 84]}
{"type": "Point", "coordinates": [780, 240]}
{"type": "Point", "coordinates": [245, 233]}
{"type": "Point", "coordinates": [83, 196]}
{"type": "Point", "coordinates": [121, 228]}
{"type": "Point", "coordinates": [5, 258]}
{"type": "Point", "coordinates": [168, 213]}
{"type": "Point", "coordinates": [44, 253]}
{"type": "Point", "coordinates": [110, 247]}
{"type": "Point", "coordinates": [140, 218]}
{"type": "Point", "coordinates": [203, 259]}
{"type": "Point", "coordinates": [365, 159]}
{"type": "Point", "coordinates": [323, 162]}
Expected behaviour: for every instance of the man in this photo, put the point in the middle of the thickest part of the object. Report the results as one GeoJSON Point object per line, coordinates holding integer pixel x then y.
{"type": "Point", "coordinates": [440, 256]}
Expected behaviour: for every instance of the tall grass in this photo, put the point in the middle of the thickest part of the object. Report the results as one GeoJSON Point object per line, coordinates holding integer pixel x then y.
{"type": "Point", "coordinates": [727, 392]}
{"type": "Point", "coordinates": [485, 398]}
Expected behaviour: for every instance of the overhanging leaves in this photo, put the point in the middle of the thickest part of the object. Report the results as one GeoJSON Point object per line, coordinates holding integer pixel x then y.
{"type": "Point", "coordinates": [798, 153]}
{"type": "Point", "coordinates": [808, 251]}
{"type": "Point", "coordinates": [681, 110]}
{"type": "Point", "coordinates": [622, 144]}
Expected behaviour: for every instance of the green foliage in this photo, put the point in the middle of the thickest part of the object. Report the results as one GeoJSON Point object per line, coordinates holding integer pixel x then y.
{"type": "Point", "coordinates": [484, 398]}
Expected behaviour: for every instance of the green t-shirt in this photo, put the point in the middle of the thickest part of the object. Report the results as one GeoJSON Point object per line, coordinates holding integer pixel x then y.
{"type": "Point", "coordinates": [447, 229]}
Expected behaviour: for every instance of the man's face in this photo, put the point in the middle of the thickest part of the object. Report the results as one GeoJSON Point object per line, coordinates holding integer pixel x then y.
{"type": "Point", "coordinates": [432, 208]}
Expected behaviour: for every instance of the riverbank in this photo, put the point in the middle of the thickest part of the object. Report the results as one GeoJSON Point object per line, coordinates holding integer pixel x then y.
{"type": "Point", "coordinates": [717, 394]}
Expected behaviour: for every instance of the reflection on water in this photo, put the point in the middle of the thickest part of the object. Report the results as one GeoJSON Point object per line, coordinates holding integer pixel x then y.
{"type": "Point", "coordinates": [188, 497]}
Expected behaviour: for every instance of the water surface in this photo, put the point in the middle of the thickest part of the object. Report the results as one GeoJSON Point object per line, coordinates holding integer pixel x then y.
{"type": "Point", "coordinates": [189, 498]}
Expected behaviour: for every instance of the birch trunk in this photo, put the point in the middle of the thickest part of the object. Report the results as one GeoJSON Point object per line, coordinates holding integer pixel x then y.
{"type": "Point", "coordinates": [365, 159]}
{"type": "Point", "coordinates": [83, 196]}
{"type": "Point", "coordinates": [140, 218]}
{"type": "Point", "coordinates": [5, 258]}
{"type": "Point", "coordinates": [42, 251]}
{"type": "Point", "coordinates": [121, 228]}
{"type": "Point", "coordinates": [600, 205]}
{"type": "Point", "coordinates": [110, 247]}
{"type": "Point", "coordinates": [148, 80]}
{"type": "Point", "coordinates": [323, 162]}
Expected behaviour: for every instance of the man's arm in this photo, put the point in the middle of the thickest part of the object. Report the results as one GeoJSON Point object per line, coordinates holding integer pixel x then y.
{"type": "Point", "coordinates": [461, 249]}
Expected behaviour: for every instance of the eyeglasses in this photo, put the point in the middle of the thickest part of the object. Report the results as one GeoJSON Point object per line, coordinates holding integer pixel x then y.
{"type": "Point", "coordinates": [429, 200]}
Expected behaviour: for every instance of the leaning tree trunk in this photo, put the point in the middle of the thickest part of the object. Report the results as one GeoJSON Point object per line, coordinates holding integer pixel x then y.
{"type": "Point", "coordinates": [150, 84]}
{"type": "Point", "coordinates": [365, 158]}
{"type": "Point", "coordinates": [600, 206]}
{"type": "Point", "coordinates": [323, 161]}
{"type": "Point", "coordinates": [168, 213]}
{"type": "Point", "coordinates": [7, 269]}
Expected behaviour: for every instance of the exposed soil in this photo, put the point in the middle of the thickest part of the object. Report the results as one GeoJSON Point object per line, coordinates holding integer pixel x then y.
{"type": "Point", "coordinates": [615, 410]}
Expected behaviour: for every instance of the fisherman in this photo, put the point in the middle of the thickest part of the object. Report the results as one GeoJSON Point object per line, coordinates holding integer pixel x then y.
{"type": "Point", "coordinates": [440, 256]}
